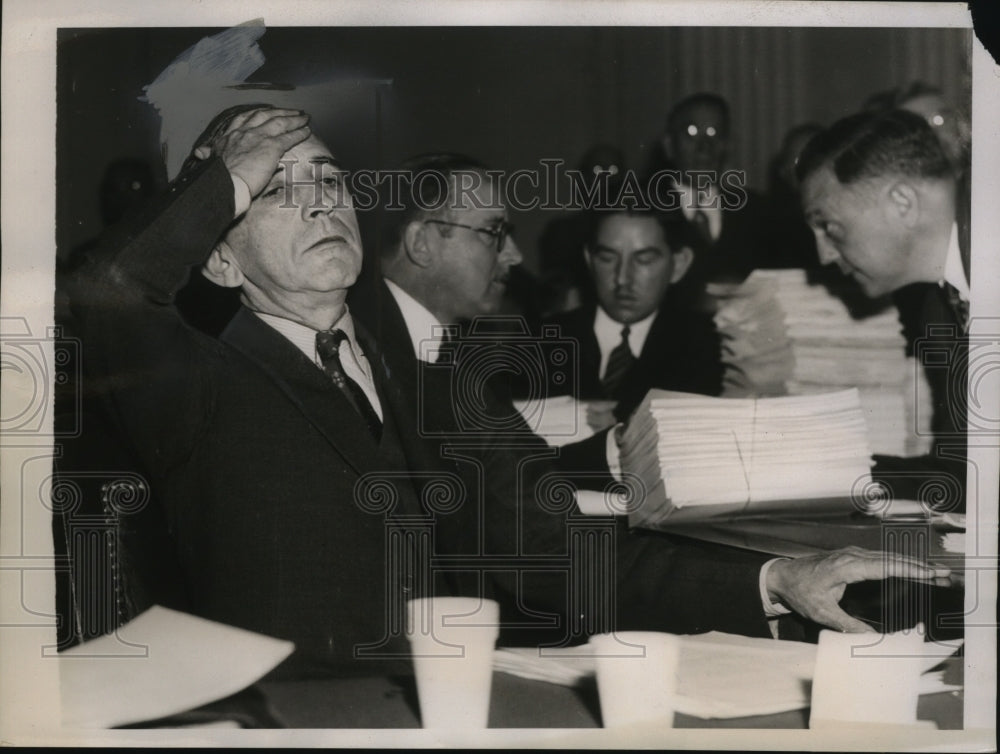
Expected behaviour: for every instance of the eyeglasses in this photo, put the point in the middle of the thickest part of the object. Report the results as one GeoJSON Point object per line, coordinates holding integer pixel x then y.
{"type": "Point", "coordinates": [499, 233]}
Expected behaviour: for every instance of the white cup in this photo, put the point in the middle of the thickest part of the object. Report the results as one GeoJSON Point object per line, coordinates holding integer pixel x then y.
{"type": "Point", "coordinates": [452, 641]}
{"type": "Point", "coordinates": [866, 678]}
{"type": "Point", "coordinates": [636, 676]}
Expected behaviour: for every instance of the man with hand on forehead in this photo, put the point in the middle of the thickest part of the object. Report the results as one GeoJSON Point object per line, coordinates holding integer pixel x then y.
{"type": "Point", "coordinates": [256, 443]}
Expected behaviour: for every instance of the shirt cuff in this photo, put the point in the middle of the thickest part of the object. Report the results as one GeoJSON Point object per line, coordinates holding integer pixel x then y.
{"type": "Point", "coordinates": [241, 195]}
{"type": "Point", "coordinates": [771, 609]}
{"type": "Point", "coordinates": [614, 453]}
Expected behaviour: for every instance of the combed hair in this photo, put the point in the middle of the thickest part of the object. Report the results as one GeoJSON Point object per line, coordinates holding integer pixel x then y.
{"type": "Point", "coordinates": [421, 196]}
{"type": "Point", "coordinates": [867, 145]}
{"type": "Point", "coordinates": [637, 203]}
{"type": "Point", "coordinates": [215, 128]}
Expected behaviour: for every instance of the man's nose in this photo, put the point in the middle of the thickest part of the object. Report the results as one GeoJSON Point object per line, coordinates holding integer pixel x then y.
{"type": "Point", "coordinates": [825, 251]}
{"type": "Point", "coordinates": [511, 254]}
{"type": "Point", "coordinates": [623, 274]}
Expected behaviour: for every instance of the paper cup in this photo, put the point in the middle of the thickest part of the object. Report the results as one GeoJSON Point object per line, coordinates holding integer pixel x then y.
{"type": "Point", "coordinates": [866, 678]}
{"type": "Point", "coordinates": [636, 676]}
{"type": "Point", "coordinates": [452, 641]}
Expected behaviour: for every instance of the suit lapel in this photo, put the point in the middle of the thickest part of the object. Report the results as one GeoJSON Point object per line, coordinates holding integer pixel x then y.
{"type": "Point", "coordinates": [306, 386]}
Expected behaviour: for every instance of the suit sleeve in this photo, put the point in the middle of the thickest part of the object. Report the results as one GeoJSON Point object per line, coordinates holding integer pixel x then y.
{"type": "Point", "coordinates": [139, 356]}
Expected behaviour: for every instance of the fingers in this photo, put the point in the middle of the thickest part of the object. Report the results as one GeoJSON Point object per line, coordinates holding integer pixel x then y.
{"type": "Point", "coordinates": [855, 564]}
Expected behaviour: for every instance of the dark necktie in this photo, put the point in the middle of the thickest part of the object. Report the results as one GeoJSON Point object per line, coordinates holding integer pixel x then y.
{"type": "Point", "coordinates": [958, 305]}
{"type": "Point", "coordinates": [328, 348]}
{"type": "Point", "coordinates": [701, 225]}
{"type": "Point", "coordinates": [619, 363]}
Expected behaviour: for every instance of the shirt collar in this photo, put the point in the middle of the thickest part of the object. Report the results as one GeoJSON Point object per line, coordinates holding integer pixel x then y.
{"type": "Point", "coordinates": [609, 333]}
{"type": "Point", "coordinates": [424, 329]}
{"type": "Point", "coordinates": [954, 271]}
{"type": "Point", "coordinates": [711, 207]}
{"type": "Point", "coordinates": [303, 337]}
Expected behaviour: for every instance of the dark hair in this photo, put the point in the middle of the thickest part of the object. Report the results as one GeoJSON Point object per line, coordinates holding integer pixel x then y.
{"type": "Point", "coordinates": [215, 127]}
{"type": "Point", "coordinates": [699, 98]}
{"type": "Point", "coordinates": [423, 190]}
{"type": "Point", "coordinates": [636, 203]}
{"type": "Point", "coordinates": [865, 145]}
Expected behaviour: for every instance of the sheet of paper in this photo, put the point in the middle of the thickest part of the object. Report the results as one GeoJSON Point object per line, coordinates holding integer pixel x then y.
{"type": "Point", "coordinates": [560, 420]}
{"type": "Point", "coordinates": [190, 662]}
{"type": "Point", "coordinates": [720, 675]}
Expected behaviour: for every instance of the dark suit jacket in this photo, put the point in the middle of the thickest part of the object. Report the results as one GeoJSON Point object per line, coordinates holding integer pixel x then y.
{"type": "Point", "coordinates": [254, 454]}
{"type": "Point", "coordinates": [745, 242]}
{"type": "Point", "coordinates": [936, 338]}
{"type": "Point", "coordinates": [681, 352]}
{"type": "Point", "coordinates": [662, 583]}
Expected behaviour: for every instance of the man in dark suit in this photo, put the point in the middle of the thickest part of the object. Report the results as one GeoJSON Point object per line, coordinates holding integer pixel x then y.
{"type": "Point", "coordinates": [884, 204]}
{"type": "Point", "coordinates": [446, 265]}
{"type": "Point", "coordinates": [636, 337]}
{"type": "Point", "coordinates": [729, 223]}
{"type": "Point", "coordinates": [269, 448]}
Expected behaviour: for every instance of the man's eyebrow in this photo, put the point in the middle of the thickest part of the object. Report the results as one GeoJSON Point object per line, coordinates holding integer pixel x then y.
{"type": "Point", "coordinates": [313, 161]}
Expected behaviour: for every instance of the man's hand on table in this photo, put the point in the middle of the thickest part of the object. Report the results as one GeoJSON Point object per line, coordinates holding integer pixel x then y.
{"type": "Point", "coordinates": [813, 586]}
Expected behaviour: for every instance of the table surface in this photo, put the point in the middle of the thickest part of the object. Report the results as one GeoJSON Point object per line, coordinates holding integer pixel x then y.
{"type": "Point", "coordinates": [520, 703]}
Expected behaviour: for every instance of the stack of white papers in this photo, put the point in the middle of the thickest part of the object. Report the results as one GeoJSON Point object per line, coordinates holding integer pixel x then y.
{"type": "Point", "coordinates": [756, 351]}
{"type": "Point", "coordinates": [834, 348]}
{"type": "Point", "coordinates": [720, 675]}
{"type": "Point", "coordinates": [693, 450]}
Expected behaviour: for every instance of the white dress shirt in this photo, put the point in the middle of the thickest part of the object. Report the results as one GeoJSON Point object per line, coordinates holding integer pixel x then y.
{"type": "Point", "coordinates": [609, 335]}
{"type": "Point", "coordinates": [352, 358]}
{"type": "Point", "coordinates": [954, 270]}
{"type": "Point", "coordinates": [710, 205]}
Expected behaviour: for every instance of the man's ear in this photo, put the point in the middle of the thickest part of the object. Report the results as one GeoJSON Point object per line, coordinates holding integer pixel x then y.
{"type": "Point", "coordinates": [682, 261]}
{"type": "Point", "coordinates": [415, 244]}
{"type": "Point", "coordinates": [667, 144]}
{"type": "Point", "coordinates": [903, 203]}
{"type": "Point", "coordinates": [588, 258]}
{"type": "Point", "coordinates": [221, 267]}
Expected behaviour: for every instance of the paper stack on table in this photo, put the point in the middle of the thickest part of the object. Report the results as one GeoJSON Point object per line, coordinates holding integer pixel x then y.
{"type": "Point", "coordinates": [720, 675]}
{"type": "Point", "coordinates": [839, 341]}
{"type": "Point", "coordinates": [756, 351]}
{"type": "Point", "coordinates": [693, 450]}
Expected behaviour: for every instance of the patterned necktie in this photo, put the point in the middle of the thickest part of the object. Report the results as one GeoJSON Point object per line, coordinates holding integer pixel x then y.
{"type": "Point", "coordinates": [619, 363]}
{"type": "Point", "coordinates": [958, 305]}
{"type": "Point", "coordinates": [328, 348]}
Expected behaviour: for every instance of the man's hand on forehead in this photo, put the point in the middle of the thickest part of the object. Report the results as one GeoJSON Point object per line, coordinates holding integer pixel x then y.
{"type": "Point", "coordinates": [255, 141]}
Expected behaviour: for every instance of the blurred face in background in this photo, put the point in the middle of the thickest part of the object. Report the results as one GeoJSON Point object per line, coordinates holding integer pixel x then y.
{"type": "Point", "coordinates": [698, 138]}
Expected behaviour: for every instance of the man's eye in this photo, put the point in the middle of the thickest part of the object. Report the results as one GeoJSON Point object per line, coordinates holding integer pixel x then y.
{"type": "Point", "coordinates": [332, 180]}
{"type": "Point", "coordinates": [647, 257]}
{"type": "Point", "coordinates": [273, 191]}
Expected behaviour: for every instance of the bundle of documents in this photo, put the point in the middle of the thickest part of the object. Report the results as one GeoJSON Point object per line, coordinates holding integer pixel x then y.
{"type": "Point", "coordinates": [696, 451]}
{"type": "Point", "coordinates": [756, 352]}
{"type": "Point", "coordinates": [841, 339]}
{"type": "Point", "coordinates": [719, 675]}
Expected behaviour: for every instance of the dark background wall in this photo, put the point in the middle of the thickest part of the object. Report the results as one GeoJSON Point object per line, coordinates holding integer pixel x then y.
{"type": "Point", "coordinates": [509, 96]}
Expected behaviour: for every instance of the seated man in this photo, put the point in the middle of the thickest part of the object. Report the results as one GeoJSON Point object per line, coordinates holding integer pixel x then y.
{"type": "Point", "coordinates": [635, 337]}
{"type": "Point", "coordinates": [445, 263]}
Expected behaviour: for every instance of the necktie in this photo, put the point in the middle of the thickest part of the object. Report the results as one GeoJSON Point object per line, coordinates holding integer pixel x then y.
{"type": "Point", "coordinates": [328, 348]}
{"type": "Point", "coordinates": [958, 305]}
{"type": "Point", "coordinates": [700, 220]}
{"type": "Point", "coordinates": [619, 363]}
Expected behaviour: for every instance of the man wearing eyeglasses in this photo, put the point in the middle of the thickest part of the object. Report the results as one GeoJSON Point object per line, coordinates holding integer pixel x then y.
{"type": "Point", "coordinates": [446, 257]}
